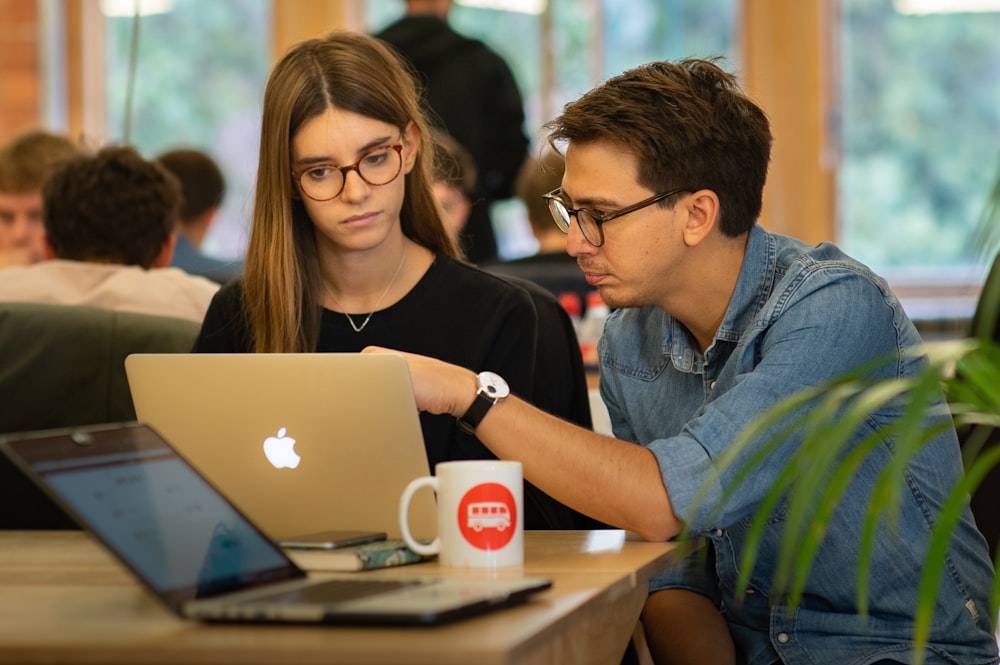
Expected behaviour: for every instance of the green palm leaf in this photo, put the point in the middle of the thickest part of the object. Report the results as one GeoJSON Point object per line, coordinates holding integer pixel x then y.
{"type": "Point", "coordinates": [816, 476]}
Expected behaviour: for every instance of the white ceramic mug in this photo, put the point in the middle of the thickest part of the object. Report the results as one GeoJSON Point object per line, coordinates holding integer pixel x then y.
{"type": "Point", "coordinates": [480, 513]}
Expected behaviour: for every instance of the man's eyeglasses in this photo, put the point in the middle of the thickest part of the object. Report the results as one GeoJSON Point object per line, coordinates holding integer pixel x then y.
{"type": "Point", "coordinates": [378, 166]}
{"type": "Point", "coordinates": [591, 222]}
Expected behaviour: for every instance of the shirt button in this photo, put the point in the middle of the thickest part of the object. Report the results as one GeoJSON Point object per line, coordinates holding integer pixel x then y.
{"type": "Point", "coordinates": [711, 386]}
{"type": "Point", "coordinates": [783, 638]}
{"type": "Point", "coordinates": [719, 533]}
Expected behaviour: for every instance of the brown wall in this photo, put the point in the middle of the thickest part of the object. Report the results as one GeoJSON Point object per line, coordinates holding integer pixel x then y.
{"type": "Point", "coordinates": [20, 79]}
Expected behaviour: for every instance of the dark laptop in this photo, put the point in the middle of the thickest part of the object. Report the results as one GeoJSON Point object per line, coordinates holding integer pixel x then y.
{"type": "Point", "coordinates": [202, 557]}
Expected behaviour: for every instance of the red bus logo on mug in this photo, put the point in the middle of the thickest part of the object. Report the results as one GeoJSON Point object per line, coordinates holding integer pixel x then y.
{"type": "Point", "coordinates": [487, 516]}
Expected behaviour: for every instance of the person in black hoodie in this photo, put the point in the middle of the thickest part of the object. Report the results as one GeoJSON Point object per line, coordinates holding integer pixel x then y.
{"type": "Point", "coordinates": [475, 97]}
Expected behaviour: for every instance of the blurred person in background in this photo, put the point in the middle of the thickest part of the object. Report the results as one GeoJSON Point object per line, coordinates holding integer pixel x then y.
{"type": "Point", "coordinates": [539, 176]}
{"type": "Point", "coordinates": [203, 186]}
{"type": "Point", "coordinates": [454, 182]}
{"type": "Point", "coordinates": [473, 93]}
{"type": "Point", "coordinates": [110, 220]}
{"type": "Point", "coordinates": [25, 162]}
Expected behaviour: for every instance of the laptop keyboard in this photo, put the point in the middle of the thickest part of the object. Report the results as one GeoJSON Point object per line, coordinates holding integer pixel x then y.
{"type": "Point", "coordinates": [337, 591]}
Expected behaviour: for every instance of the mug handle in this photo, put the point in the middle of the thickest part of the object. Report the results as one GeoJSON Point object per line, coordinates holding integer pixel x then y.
{"type": "Point", "coordinates": [425, 549]}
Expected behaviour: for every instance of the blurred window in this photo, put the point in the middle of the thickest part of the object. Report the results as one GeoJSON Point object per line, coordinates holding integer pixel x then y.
{"type": "Point", "coordinates": [919, 124]}
{"type": "Point", "coordinates": [200, 70]}
{"type": "Point", "coordinates": [916, 107]}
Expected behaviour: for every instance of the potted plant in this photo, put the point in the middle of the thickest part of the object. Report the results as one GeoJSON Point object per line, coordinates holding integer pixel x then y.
{"type": "Point", "coordinates": [815, 478]}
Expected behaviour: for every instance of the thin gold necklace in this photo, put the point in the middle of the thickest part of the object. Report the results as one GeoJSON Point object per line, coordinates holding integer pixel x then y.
{"type": "Point", "coordinates": [368, 318]}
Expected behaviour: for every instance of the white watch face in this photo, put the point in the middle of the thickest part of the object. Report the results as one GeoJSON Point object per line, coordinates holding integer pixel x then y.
{"type": "Point", "coordinates": [493, 385]}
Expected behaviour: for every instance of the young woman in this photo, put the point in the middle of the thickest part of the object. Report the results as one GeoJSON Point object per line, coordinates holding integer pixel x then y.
{"type": "Point", "coordinates": [347, 248]}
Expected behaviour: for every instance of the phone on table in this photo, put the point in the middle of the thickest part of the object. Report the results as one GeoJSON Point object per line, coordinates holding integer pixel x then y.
{"type": "Point", "coordinates": [329, 540]}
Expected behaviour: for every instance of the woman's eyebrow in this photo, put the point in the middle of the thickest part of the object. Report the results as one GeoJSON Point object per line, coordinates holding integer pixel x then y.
{"type": "Point", "coordinates": [326, 159]}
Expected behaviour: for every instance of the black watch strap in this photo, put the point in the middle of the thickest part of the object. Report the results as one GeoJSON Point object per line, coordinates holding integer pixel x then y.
{"type": "Point", "coordinates": [470, 421]}
{"type": "Point", "coordinates": [491, 389]}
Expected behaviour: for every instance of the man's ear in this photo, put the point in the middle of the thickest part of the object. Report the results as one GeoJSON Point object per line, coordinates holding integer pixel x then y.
{"type": "Point", "coordinates": [166, 252]}
{"type": "Point", "coordinates": [702, 216]}
{"type": "Point", "coordinates": [47, 250]}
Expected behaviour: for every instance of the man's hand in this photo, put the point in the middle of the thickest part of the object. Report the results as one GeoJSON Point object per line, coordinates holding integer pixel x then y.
{"type": "Point", "coordinates": [438, 387]}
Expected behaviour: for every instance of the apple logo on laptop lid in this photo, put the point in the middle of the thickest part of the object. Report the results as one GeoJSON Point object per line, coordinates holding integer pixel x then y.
{"type": "Point", "coordinates": [280, 451]}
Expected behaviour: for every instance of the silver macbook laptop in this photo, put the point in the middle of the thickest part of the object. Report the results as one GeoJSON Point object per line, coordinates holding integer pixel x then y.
{"type": "Point", "coordinates": [299, 442]}
{"type": "Point", "coordinates": [202, 557]}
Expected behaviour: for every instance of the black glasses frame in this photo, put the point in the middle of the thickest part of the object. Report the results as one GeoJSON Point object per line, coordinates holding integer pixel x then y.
{"type": "Point", "coordinates": [594, 222]}
{"type": "Point", "coordinates": [356, 167]}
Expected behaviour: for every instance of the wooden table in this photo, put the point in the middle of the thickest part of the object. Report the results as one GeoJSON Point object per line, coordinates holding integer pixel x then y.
{"type": "Point", "coordinates": [64, 599]}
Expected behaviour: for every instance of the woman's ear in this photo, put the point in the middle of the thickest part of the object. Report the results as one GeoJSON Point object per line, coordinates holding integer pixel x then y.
{"type": "Point", "coordinates": [411, 146]}
{"type": "Point", "coordinates": [702, 216]}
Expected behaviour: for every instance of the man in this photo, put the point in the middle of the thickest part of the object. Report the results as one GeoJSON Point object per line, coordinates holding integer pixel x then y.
{"type": "Point", "coordinates": [109, 228]}
{"type": "Point", "coordinates": [203, 186]}
{"type": "Point", "coordinates": [473, 92]}
{"type": "Point", "coordinates": [25, 163]}
{"type": "Point", "coordinates": [716, 320]}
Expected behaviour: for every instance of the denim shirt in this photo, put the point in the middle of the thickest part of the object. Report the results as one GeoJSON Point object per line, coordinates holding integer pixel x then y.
{"type": "Point", "coordinates": [799, 315]}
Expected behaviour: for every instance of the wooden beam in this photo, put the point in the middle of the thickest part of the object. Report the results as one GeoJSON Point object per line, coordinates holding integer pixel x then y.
{"type": "Point", "coordinates": [297, 20]}
{"type": "Point", "coordinates": [787, 50]}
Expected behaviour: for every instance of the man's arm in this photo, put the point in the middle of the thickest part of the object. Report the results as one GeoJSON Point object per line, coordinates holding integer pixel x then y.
{"type": "Point", "coordinates": [614, 481]}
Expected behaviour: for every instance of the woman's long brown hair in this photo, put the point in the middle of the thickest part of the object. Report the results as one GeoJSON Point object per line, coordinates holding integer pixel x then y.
{"type": "Point", "coordinates": [351, 72]}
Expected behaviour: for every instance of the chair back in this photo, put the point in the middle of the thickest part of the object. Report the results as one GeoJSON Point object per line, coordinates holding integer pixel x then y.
{"type": "Point", "coordinates": [64, 366]}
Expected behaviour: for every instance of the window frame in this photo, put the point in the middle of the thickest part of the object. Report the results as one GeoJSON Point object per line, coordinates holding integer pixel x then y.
{"type": "Point", "coordinates": [799, 95]}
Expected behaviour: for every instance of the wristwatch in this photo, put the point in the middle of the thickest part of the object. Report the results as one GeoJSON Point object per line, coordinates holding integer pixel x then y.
{"type": "Point", "coordinates": [492, 389]}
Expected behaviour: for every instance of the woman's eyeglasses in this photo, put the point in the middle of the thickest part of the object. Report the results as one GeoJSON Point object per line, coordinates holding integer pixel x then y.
{"type": "Point", "coordinates": [378, 166]}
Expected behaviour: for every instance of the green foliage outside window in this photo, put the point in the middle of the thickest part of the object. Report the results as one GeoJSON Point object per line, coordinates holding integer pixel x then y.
{"type": "Point", "coordinates": [199, 80]}
{"type": "Point", "coordinates": [921, 134]}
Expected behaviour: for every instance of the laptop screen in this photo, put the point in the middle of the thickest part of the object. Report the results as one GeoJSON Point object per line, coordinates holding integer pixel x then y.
{"type": "Point", "coordinates": [149, 506]}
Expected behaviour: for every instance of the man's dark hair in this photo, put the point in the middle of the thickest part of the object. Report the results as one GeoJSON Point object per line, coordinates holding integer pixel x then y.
{"type": "Point", "coordinates": [203, 185]}
{"type": "Point", "coordinates": [112, 206]}
{"type": "Point", "coordinates": [688, 125]}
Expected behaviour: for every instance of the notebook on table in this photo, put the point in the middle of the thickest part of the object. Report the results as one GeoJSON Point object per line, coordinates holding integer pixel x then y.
{"type": "Point", "coordinates": [299, 442]}
{"type": "Point", "coordinates": [202, 557]}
